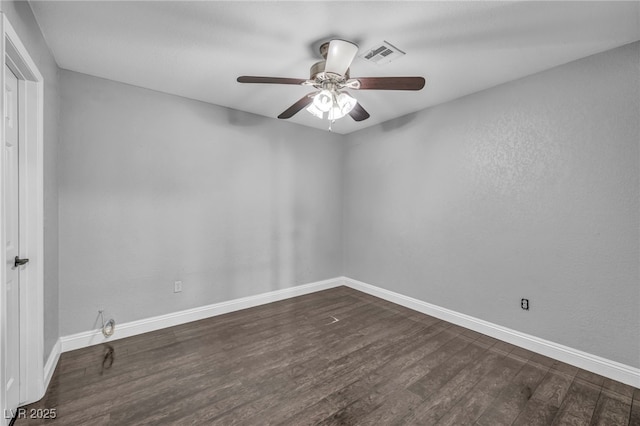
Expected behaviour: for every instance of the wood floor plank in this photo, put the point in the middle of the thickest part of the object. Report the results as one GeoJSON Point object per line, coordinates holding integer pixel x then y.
{"type": "Point", "coordinates": [536, 413]}
{"type": "Point", "coordinates": [553, 388]}
{"type": "Point", "coordinates": [579, 403]}
{"type": "Point", "coordinates": [542, 361]}
{"type": "Point", "coordinates": [590, 377]}
{"type": "Point", "coordinates": [478, 399]}
{"type": "Point", "coordinates": [619, 389]}
{"type": "Point", "coordinates": [441, 401]}
{"type": "Point", "coordinates": [333, 357]}
{"type": "Point", "coordinates": [611, 410]}
{"type": "Point", "coordinates": [634, 415]}
{"type": "Point", "coordinates": [514, 397]}
{"type": "Point", "coordinates": [396, 405]}
{"type": "Point", "coordinates": [442, 373]}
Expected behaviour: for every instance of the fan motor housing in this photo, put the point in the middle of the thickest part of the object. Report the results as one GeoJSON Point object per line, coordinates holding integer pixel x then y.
{"type": "Point", "coordinates": [318, 68]}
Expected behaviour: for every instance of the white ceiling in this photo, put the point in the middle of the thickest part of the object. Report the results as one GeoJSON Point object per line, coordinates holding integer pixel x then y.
{"type": "Point", "coordinates": [197, 49]}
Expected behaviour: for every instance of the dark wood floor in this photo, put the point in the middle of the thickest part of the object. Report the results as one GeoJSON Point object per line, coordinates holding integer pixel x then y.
{"type": "Point", "coordinates": [291, 363]}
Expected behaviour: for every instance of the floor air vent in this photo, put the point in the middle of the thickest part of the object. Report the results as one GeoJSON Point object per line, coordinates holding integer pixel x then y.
{"type": "Point", "coordinates": [382, 53]}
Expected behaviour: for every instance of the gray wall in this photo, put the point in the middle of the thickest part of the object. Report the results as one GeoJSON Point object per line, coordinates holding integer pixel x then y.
{"type": "Point", "coordinates": [529, 189]}
{"type": "Point", "coordinates": [156, 188]}
{"type": "Point", "coordinates": [22, 20]}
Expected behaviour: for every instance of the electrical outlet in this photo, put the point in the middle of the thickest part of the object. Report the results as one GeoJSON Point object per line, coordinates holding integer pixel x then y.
{"type": "Point", "coordinates": [177, 286]}
{"type": "Point", "coordinates": [524, 304]}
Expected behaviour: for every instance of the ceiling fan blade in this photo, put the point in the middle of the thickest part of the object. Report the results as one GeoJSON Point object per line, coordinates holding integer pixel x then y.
{"type": "Point", "coordinates": [391, 83]}
{"type": "Point", "coordinates": [339, 56]}
{"type": "Point", "coordinates": [358, 113]}
{"type": "Point", "coordinates": [297, 107]}
{"type": "Point", "coordinates": [270, 80]}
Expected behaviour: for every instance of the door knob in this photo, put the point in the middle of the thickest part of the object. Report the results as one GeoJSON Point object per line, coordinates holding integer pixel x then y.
{"type": "Point", "coordinates": [19, 262]}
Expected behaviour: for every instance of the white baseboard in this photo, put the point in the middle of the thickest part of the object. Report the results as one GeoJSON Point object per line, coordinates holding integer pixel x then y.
{"type": "Point", "coordinates": [94, 337]}
{"type": "Point", "coordinates": [602, 366]}
{"type": "Point", "coordinates": [51, 364]}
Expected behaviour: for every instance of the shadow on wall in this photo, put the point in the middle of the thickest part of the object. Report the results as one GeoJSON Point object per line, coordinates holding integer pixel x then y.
{"type": "Point", "coordinates": [212, 114]}
{"type": "Point", "coordinates": [244, 119]}
{"type": "Point", "coordinates": [396, 123]}
{"type": "Point", "coordinates": [282, 230]}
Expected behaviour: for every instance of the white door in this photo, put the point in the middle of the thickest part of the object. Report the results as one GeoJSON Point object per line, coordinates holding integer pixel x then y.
{"type": "Point", "coordinates": [12, 246]}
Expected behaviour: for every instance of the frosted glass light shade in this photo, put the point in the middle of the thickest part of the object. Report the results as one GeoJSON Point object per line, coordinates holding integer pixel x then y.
{"type": "Point", "coordinates": [340, 105]}
{"type": "Point", "coordinates": [323, 100]}
{"type": "Point", "coordinates": [313, 109]}
{"type": "Point", "coordinates": [345, 103]}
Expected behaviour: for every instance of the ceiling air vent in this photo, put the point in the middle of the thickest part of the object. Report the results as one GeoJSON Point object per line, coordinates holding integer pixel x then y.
{"type": "Point", "coordinates": [382, 53]}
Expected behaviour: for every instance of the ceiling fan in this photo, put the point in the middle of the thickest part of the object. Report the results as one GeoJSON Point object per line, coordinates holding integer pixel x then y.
{"type": "Point", "coordinates": [331, 77]}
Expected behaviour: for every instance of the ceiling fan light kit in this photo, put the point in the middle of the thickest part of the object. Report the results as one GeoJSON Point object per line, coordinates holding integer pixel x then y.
{"type": "Point", "coordinates": [331, 104]}
{"type": "Point", "coordinates": [330, 77]}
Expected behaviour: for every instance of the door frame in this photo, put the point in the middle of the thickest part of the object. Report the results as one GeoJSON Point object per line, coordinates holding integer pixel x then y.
{"type": "Point", "coordinates": [31, 163]}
